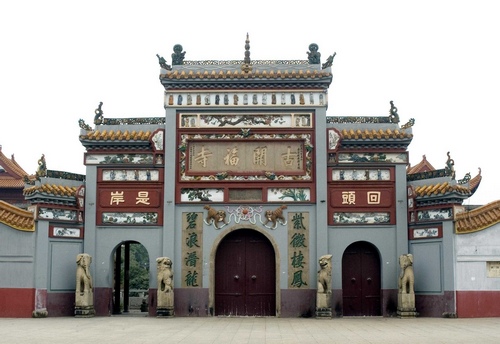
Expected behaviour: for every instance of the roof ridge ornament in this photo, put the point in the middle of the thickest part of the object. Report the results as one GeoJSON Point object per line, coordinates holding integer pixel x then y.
{"type": "Point", "coordinates": [394, 117]}
{"type": "Point", "coordinates": [247, 63]}
{"type": "Point", "coordinates": [313, 54]}
{"type": "Point", "coordinates": [329, 61]}
{"type": "Point", "coordinates": [178, 55]}
{"type": "Point", "coordinates": [450, 166]}
{"type": "Point", "coordinates": [98, 114]}
{"type": "Point", "coordinates": [163, 63]}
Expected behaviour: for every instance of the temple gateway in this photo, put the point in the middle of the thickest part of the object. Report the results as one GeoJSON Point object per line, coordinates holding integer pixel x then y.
{"type": "Point", "coordinates": [238, 196]}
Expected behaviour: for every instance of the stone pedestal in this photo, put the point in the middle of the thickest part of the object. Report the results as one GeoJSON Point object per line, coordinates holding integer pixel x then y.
{"type": "Point", "coordinates": [167, 312]}
{"type": "Point", "coordinates": [406, 305]}
{"type": "Point", "coordinates": [84, 312]}
{"type": "Point", "coordinates": [40, 313]}
{"type": "Point", "coordinates": [84, 304]}
{"type": "Point", "coordinates": [323, 306]}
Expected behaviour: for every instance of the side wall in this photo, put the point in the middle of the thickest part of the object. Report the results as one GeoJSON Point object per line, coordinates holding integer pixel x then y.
{"type": "Point", "coordinates": [478, 273]}
{"type": "Point", "coordinates": [434, 273]}
{"type": "Point", "coordinates": [17, 262]}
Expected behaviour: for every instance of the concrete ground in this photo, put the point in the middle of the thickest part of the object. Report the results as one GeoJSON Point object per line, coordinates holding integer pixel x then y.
{"type": "Point", "coordinates": [141, 329]}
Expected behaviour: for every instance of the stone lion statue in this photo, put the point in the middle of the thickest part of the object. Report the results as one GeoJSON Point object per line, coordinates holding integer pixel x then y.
{"type": "Point", "coordinates": [83, 278]}
{"type": "Point", "coordinates": [406, 277]}
{"type": "Point", "coordinates": [165, 279]}
{"type": "Point", "coordinates": [325, 274]}
{"type": "Point", "coordinates": [165, 275]}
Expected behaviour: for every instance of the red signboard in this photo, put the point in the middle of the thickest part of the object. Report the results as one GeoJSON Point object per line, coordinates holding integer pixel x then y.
{"type": "Point", "coordinates": [361, 197]}
{"type": "Point", "coordinates": [129, 198]}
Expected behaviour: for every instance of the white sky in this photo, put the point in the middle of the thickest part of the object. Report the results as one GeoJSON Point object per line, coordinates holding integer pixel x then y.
{"type": "Point", "coordinates": [439, 61]}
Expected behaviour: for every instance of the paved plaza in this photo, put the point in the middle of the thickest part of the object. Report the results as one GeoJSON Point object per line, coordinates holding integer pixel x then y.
{"type": "Point", "coordinates": [141, 329]}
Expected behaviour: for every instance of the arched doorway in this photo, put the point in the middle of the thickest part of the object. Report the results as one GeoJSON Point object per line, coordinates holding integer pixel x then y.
{"type": "Point", "coordinates": [245, 275]}
{"type": "Point", "coordinates": [361, 280]}
{"type": "Point", "coordinates": [131, 278]}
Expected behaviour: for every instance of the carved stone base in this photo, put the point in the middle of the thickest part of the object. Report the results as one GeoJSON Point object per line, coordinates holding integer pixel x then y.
{"type": "Point", "coordinates": [323, 313]}
{"type": "Point", "coordinates": [406, 306]}
{"type": "Point", "coordinates": [323, 300]}
{"type": "Point", "coordinates": [84, 299]}
{"type": "Point", "coordinates": [323, 306]}
{"type": "Point", "coordinates": [165, 312]}
{"type": "Point", "coordinates": [84, 312]}
{"type": "Point", "coordinates": [40, 313]}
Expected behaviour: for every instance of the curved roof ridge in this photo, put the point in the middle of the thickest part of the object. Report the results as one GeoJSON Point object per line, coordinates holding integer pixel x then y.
{"type": "Point", "coordinates": [474, 182]}
{"type": "Point", "coordinates": [478, 219]}
{"type": "Point", "coordinates": [11, 165]}
{"type": "Point", "coordinates": [17, 218]}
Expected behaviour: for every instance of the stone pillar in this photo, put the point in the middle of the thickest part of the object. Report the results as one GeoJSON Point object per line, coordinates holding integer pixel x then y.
{"type": "Point", "coordinates": [84, 295]}
{"type": "Point", "coordinates": [165, 291]}
{"type": "Point", "coordinates": [406, 282]}
{"type": "Point", "coordinates": [324, 294]}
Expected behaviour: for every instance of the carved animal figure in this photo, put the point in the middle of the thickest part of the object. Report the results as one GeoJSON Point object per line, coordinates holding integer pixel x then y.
{"type": "Point", "coordinates": [41, 171]}
{"type": "Point", "coordinates": [164, 276]}
{"type": "Point", "coordinates": [325, 274]}
{"type": "Point", "coordinates": [406, 277]}
{"type": "Point", "coordinates": [98, 114]}
{"type": "Point", "coordinates": [83, 278]}
{"type": "Point", "coordinates": [275, 215]}
{"type": "Point", "coordinates": [215, 216]}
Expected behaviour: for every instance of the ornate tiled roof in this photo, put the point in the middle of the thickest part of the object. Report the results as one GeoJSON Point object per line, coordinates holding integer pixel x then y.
{"type": "Point", "coordinates": [441, 189]}
{"type": "Point", "coordinates": [239, 74]}
{"type": "Point", "coordinates": [478, 219]}
{"type": "Point", "coordinates": [16, 218]}
{"type": "Point", "coordinates": [51, 189]}
{"type": "Point", "coordinates": [474, 182]}
{"type": "Point", "coordinates": [422, 166]}
{"type": "Point", "coordinates": [374, 134]}
{"type": "Point", "coordinates": [439, 186]}
{"type": "Point", "coordinates": [12, 174]}
{"type": "Point", "coordinates": [118, 139]}
{"type": "Point", "coordinates": [247, 73]}
{"type": "Point", "coordinates": [116, 135]}
{"type": "Point", "coordinates": [294, 78]}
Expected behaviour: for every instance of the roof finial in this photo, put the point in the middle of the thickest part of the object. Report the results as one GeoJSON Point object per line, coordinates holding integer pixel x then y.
{"type": "Point", "coordinates": [246, 66]}
{"type": "Point", "coordinates": [247, 50]}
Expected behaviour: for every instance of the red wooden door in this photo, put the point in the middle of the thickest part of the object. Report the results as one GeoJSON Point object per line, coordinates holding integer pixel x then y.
{"type": "Point", "coordinates": [361, 280]}
{"type": "Point", "coordinates": [245, 275]}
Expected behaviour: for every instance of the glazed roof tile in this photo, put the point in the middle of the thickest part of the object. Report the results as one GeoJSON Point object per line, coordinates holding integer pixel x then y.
{"type": "Point", "coordinates": [478, 219]}
{"type": "Point", "coordinates": [51, 189]}
{"type": "Point", "coordinates": [374, 134]}
{"type": "Point", "coordinates": [422, 166]}
{"type": "Point", "coordinates": [240, 74]}
{"type": "Point", "coordinates": [116, 135]}
{"type": "Point", "coordinates": [474, 182]}
{"type": "Point", "coordinates": [12, 176]}
{"type": "Point", "coordinates": [17, 218]}
{"type": "Point", "coordinates": [11, 183]}
{"type": "Point", "coordinates": [11, 165]}
{"type": "Point", "coordinates": [441, 189]}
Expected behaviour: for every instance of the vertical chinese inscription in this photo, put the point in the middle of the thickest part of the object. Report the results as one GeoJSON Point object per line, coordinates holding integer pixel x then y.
{"type": "Point", "coordinates": [192, 249]}
{"type": "Point", "coordinates": [298, 250]}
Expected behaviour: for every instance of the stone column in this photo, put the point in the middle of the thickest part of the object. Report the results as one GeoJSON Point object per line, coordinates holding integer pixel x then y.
{"type": "Point", "coordinates": [165, 291]}
{"type": "Point", "coordinates": [84, 295]}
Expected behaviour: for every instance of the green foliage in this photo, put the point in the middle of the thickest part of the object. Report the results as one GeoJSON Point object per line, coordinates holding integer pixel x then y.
{"type": "Point", "coordinates": [139, 267]}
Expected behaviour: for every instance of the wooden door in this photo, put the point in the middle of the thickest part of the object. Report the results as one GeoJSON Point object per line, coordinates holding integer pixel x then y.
{"type": "Point", "coordinates": [361, 280]}
{"type": "Point", "coordinates": [245, 275]}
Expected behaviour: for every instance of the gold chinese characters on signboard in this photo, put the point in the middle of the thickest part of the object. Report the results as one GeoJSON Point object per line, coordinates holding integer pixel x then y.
{"type": "Point", "coordinates": [286, 156]}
